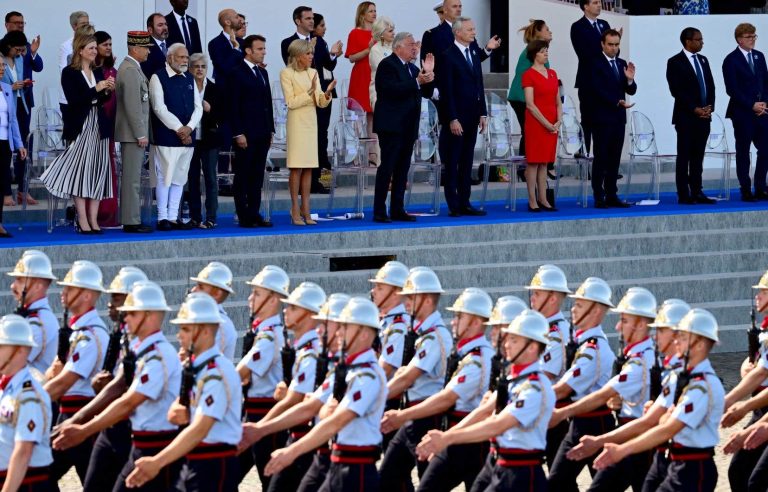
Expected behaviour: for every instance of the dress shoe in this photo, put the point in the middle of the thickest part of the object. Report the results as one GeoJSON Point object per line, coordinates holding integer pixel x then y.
{"type": "Point", "coordinates": [531, 209]}
{"type": "Point", "coordinates": [705, 200]}
{"type": "Point", "coordinates": [601, 204]}
{"type": "Point", "coordinates": [747, 196]}
{"type": "Point", "coordinates": [164, 225]}
{"type": "Point", "coordinates": [686, 200]}
{"type": "Point", "coordinates": [454, 213]}
{"type": "Point", "coordinates": [547, 209]}
{"type": "Point", "coordinates": [247, 225]}
{"type": "Point", "coordinates": [5, 233]}
{"type": "Point", "coordinates": [308, 219]}
{"type": "Point", "coordinates": [403, 217]}
{"type": "Point", "coordinates": [181, 225]}
{"type": "Point", "coordinates": [382, 219]}
{"type": "Point", "coordinates": [261, 222]}
{"type": "Point", "coordinates": [761, 195]}
{"type": "Point", "coordinates": [475, 212]}
{"type": "Point", "coordinates": [139, 228]}
{"type": "Point", "coordinates": [617, 203]}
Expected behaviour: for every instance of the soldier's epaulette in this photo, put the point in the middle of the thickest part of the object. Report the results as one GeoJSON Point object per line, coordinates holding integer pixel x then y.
{"type": "Point", "coordinates": [33, 314]}
{"type": "Point", "coordinates": [395, 330]}
{"type": "Point", "coordinates": [398, 319]}
{"type": "Point", "coordinates": [267, 328]}
{"type": "Point", "coordinates": [35, 320]}
{"type": "Point", "coordinates": [211, 364]}
{"type": "Point", "coordinates": [534, 376]}
{"type": "Point", "coordinates": [158, 358]}
{"type": "Point", "coordinates": [306, 346]}
{"type": "Point", "coordinates": [477, 351]}
{"type": "Point", "coordinates": [529, 384]}
{"type": "Point", "coordinates": [263, 336]}
{"type": "Point", "coordinates": [424, 338]}
{"type": "Point", "coordinates": [27, 385]}
{"type": "Point", "coordinates": [700, 387]}
{"type": "Point", "coordinates": [635, 361]}
{"type": "Point", "coordinates": [305, 355]}
{"type": "Point", "coordinates": [553, 338]}
{"type": "Point", "coordinates": [592, 342]}
{"type": "Point", "coordinates": [210, 377]}
{"type": "Point", "coordinates": [82, 337]}
{"type": "Point", "coordinates": [554, 327]}
{"type": "Point", "coordinates": [582, 354]}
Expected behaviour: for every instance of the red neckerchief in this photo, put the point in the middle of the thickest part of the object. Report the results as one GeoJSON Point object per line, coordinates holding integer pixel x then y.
{"type": "Point", "coordinates": [255, 324]}
{"type": "Point", "coordinates": [579, 332]}
{"type": "Point", "coordinates": [73, 319]}
{"type": "Point", "coordinates": [417, 326]}
{"type": "Point", "coordinates": [4, 380]}
{"type": "Point", "coordinates": [628, 348]}
{"type": "Point", "coordinates": [516, 369]}
{"type": "Point", "coordinates": [465, 341]}
{"type": "Point", "coordinates": [764, 324]}
{"type": "Point", "coordinates": [351, 358]}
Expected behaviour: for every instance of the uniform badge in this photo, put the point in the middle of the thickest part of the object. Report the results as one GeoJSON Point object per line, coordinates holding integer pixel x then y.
{"type": "Point", "coordinates": [547, 357]}
{"type": "Point", "coordinates": [519, 403]}
{"type": "Point", "coordinates": [209, 400]}
{"type": "Point", "coordinates": [390, 349]}
{"type": "Point", "coordinates": [256, 356]}
{"type": "Point", "coordinates": [357, 396]}
{"type": "Point", "coordinates": [689, 408]}
{"type": "Point", "coordinates": [301, 377]}
{"type": "Point", "coordinates": [462, 378]}
{"type": "Point", "coordinates": [144, 378]}
{"type": "Point", "coordinates": [326, 385]}
{"type": "Point", "coordinates": [422, 354]}
{"type": "Point", "coordinates": [666, 391]}
{"type": "Point", "coordinates": [577, 372]}
{"type": "Point", "coordinates": [75, 357]}
{"type": "Point", "coordinates": [31, 426]}
{"type": "Point", "coordinates": [212, 364]}
{"type": "Point", "coordinates": [622, 378]}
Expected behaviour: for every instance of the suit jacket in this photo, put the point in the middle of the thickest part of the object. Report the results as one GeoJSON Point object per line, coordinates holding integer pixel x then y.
{"type": "Point", "coordinates": [462, 95]}
{"type": "Point", "coordinates": [586, 42]}
{"type": "Point", "coordinates": [209, 123]}
{"type": "Point", "coordinates": [398, 105]}
{"type": "Point", "coordinates": [606, 90]}
{"type": "Point", "coordinates": [14, 135]}
{"type": "Point", "coordinates": [223, 56]}
{"type": "Point", "coordinates": [132, 117]}
{"type": "Point", "coordinates": [250, 102]}
{"type": "Point", "coordinates": [175, 34]}
{"type": "Point", "coordinates": [80, 99]}
{"type": "Point", "coordinates": [684, 86]}
{"type": "Point", "coordinates": [155, 60]}
{"type": "Point", "coordinates": [322, 60]}
{"type": "Point", "coordinates": [31, 65]}
{"type": "Point", "coordinates": [436, 41]}
{"type": "Point", "coordinates": [284, 47]}
{"type": "Point", "coordinates": [744, 87]}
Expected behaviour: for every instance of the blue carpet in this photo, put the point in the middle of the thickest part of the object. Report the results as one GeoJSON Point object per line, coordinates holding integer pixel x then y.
{"type": "Point", "coordinates": [35, 234]}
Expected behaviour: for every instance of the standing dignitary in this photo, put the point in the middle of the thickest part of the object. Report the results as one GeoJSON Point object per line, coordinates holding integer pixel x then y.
{"type": "Point", "coordinates": [585, 37]}
{"type": "Point", "coordinates": [25, 450]}
{"type": "Point", "coordinates": [150, 394]}
{"type": "Point", "coordinates": [132, 127]}
{"type": "Point", "coordinates": [71, 387]}
{"type": "Point", "coordinates": [462, 111]}
{"type": "Point", "coordinates": [158, 51]}
{"type": "Point", "coordinates": [691, 84]}
{"type": "Point", "coordinates": [226, 49]}
{"type": "Point", "coordinates": [211, 411]}
{"type": "Point", "coordinates": [399, 89]}
{"type": "Point", "coordinates": [611, 78]}
{"type": "Point", "coordinates": [252, 125]}
{"type": "Point", "coordinates": [746, 81]}
{"type": "Point", "coordinates": [32, 276]}
{"type": "Point", "coordinates": [182, 28]}
{"type": "Point", "coordinates": [77, 19]}
{"type": "Point", "coordinates": [216, 281]}
{"type": "Point", "coordinates": [304, 20]}
{"type": "Point", "coordinates": [176, 112]}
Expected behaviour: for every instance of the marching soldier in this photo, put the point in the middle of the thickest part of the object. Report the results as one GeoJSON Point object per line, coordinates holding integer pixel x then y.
{"type": "Point", "coordinates": [300, 306]}
{"type": "Point", "coordinates": [354, 421]}
{"type": "Point", "coordinates": [590, 370]}
{"type": "Point", "coordinates": [261, 368]}
{"type": "Point", "coordinates": [25, 412]}
{"type": "Point", "coordinates": [548, 289]}
{"type": "Point", "coordinates": [32, 277]}
{"type": "Point", "coordinates": [216, 281]}
{"type": "Point", "coordinates": [692, 426]}
{"type": "Point", "coordinates": [423, 376]}
{"type": "Point", "coordinates": [83, 352]}
{"type": "Point", "coordinates": [209, 442]}
{"type": "Point", "coordinates": [630, 383]}
{"type": "Point", "coordinates": [520, 427]}
{"type": "Point", "coordinates": [469, 380]}
{"type": "Point", "coordinates": [506, 309]}
{"type": "Point", "coordinates": [151, 391]}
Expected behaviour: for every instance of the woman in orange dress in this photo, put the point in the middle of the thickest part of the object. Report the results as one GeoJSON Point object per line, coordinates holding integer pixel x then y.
{"type": "Point", "coordinates": [543, 117]}
{"type": "Point", "coordinates": [358, 47]}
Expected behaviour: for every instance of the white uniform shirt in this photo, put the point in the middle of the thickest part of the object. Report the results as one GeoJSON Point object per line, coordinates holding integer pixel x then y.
{"type": "Point", "coordinates": [762, 354]}
{"type": "Point", "coordinates": [217, 394]}
{"type": "Point", "coordinates": [158, 377]}
{"type": "Point", "coordinates": [470, 381]}
{"type": "Point", "coordinates": [593, 363]}
{"type": "Point", "coordinates": [88, 346]}
{"type": "Point", "coordinates": [531, 402]}
{"type": "Point", "coordinates": [394, 325]}
{"type": "Point", "coordinates": [700, 408]}
{"type": "Point", "coordinates": [366, 396]}
{"type": "Point", "coordinates": [263, 360]}
{"type": "Point", "coordinates": [671, 366]}
{"type": "Point", "coordinates": [303, 373]}
{"type": "Point", "coordinates": [45, 332]}
{"type": "Point", "coordinates": [553, 358]}
{"type": "Point", "coordinates": [432, 349]}
{"type": "Point", "coordinates": [633, 383]}
{"type": "Point", "coordinates": [25, 416]}
{"type": "Point", "coordinates": [226, 335]}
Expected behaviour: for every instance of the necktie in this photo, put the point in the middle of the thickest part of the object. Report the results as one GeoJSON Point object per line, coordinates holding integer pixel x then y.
{"type": "Point", "coordinates": [751, 62]}
{"type": "Point", "coordinates": [700, 77]}
{"type": "Point", "coordinates": [469, 58]}
{"type": "Point", "coordinates": [163, 48]}
{"type": "Point", "coordinates": [258, 73]}
{"type": "Point", "coordinates": [597, 28]}
{"type": "Point", "coordinates": [186, 33]}
{"type": "Point", "coordinates": [615, 68]}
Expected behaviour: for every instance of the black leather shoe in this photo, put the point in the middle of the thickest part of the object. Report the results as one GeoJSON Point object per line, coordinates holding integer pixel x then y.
{"type": "Point", "coordinates": [181, 225]}
{"type": "Point", "coordinates": [137, 228]}
{"type": "Point", "coordinates": [547, 209]}
{"type": "Point", "coordinates": [686, 200]}
{"type": "Point", "coordinates": [761, 195]}
{"type": "Point", "coordinates": [403, 217]}
{"type": "Point", "coordinates": [454, 213]}
{"type": "Point", "coordinates": [472, 211]}
{"type": "Point", "coordinates": [531, 209]}
{"type": "Point", "coordinates": [262, 223]}
{"type": "Point", "coordinates": [617, 203]}
{"type": "Point", "coordinates": [6, 234]}
{"type": "Point", "coordinates": [382, 219]}
{"type": "Point", "coordinates": [601, 204]}
{"type": "Point", "coordinates": [705, 200]}
{"type": "Point", "coordinates": [747, 196]}
{"type": "Point", "coordinates": [246, 224]}
{"type": "Point", "coordinates": [164, 225]}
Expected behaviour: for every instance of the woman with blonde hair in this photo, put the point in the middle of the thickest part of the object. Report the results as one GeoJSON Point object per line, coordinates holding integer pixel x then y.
{"type": "Point", "coordinates": [359, 45]}
{"type": "Point", "coordinates": [383, 35]}
{"type": "Point", "coordinates": [302, 91]}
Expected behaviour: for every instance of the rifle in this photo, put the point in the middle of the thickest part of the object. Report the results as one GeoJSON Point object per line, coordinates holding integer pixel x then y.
{"type": "Point", "coordinates": [288, 357]}
{"type": "Point", "coordinates": [683, 378]}
{"type": "Point", "coordinates": [451, 366]}
{"type": "Point", "coordinates": [409, 351]}
{"type": "Point", "coordinates": [322, 359]}
{"type": "Point", "coordinates": [655, 373]}
{"type": "Point", "coordinates": [621, 358]}
{"type": "Point", "coordinates": [496, 365]}
{"type": "Point", "coordinates": [113, 346]}
{"type": "Point", "coordinates": [187, 380]}
{"type": "Point", "coordinates": [129, 361]}
{"type": "Point", "coordinates": [248, 339]}
{"type": "Point", "coordinates": [570, 349]}
{"type": "Point", "coordinates": [340, 374]}
{"type": "Point", "coordinates": [65, 332]}
{"type": "Point", "coordinates": [24, 312]}
{"type": "Point", "coordinates": [753, 335]}
{"type": "Point", "coordinates": [502, 390]}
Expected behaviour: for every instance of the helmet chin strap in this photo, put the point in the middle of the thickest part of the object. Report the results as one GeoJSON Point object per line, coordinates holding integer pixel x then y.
{"type": "Point", "coordinates": [577, 323]}
{"type": "Point", "coordinates": [10, 359]}
{"type": "Point", "coordinates": [543, 303]}
{"type": "Point", "coordinates": [520, 352]}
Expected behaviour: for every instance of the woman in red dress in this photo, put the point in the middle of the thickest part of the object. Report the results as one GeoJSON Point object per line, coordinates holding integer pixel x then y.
{"type": "Point", "coordinates": [358, 46]}
{"type": "Point", "coordinates": [543, 116]}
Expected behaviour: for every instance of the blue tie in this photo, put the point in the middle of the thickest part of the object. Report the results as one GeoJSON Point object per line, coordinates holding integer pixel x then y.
{"type": "Point", "coordinates": [258, 72]}
{"type": "Point", "coordinates": [187, 42]}
{"type": "Point", "coordinates": [163, 48]}
{"type": "Point", "coordinates": [751, 62]}
{"type": "Point", "coordinates": [615, 68]}
{"type": "Point", "coordinates": [700, 76]}
{"type": "Point", "coordinates": [469, 58]}
{"type": "Point", "coordinates": [597, 28]}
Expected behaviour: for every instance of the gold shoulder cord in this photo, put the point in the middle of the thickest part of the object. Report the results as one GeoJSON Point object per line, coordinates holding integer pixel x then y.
{"type": "Point", "coordinates": [644, 366]}
{"type": "Point", "coordinates": [18, 402]}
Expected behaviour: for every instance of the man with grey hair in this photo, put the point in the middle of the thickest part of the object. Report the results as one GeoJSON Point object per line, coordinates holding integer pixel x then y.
{"type": "Point", "coordinates": [396, 121]}
{"type": "Point", "coordinates": [176, 112]}
{"type": "Point", "coordinates": [77, 19]}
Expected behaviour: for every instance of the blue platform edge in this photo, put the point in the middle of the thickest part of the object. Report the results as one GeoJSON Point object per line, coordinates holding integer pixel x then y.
{"type": "Point", "coordinates": [35, 234]}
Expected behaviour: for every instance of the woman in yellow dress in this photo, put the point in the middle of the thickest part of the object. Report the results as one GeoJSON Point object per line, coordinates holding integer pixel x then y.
{"type": "Point", "coordinates": [301, 88]}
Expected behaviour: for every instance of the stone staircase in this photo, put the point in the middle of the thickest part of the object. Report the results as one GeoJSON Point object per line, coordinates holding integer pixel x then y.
{"type": "Point", "coordinates": [709, 260]}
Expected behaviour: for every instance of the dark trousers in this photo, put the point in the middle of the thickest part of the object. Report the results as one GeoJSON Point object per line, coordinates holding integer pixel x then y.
{"type": "Point", "coordinates": [5, 171]}
{"type": "Point", "coordinates": [323, 122]}
{"type": "Point", "coordinates": [563, 472]}
{"type": "Point", "coordinates": [629, 472]}
{"type": "Point", "coordinates": [453, 466]}
{"type": "Point", "coordinates": [290, 478]}
{"type": "Point", "coordinates": [609, 140]}
{"type": "Point", "coordinates": [164, 481]}
{"type": "Point", "coordinates": [555, 436]}
{"type": "Point", "coordinates": [35, 480]}
{"type": "Point", "coordinates": [219, 474]}
{"type": "Point", "coordinates": [758, 479]}
{"type": "Point", "coordinates": [585, 109]}
{"type": "Point", "coordinates": [744, 462]}
{"type": "Point", "coordinates": [352, 478]}
{"type": "Point", "coordinates": [259, 454]}
{"type": "Point", "coordinates": [391, 404]}
{"type": "Point", "coordinates": [691, 143]}
{"type": "Point", "coordinates": [249, 178]}
{"type": "Point", "coordinates": [690, 476]}
{"type": "Point", "coordinates": [78, 456]}
{"type": "Point", "coordinates": [20, 166]}
{"type": "Point", "coordinates": [315, 476]}
{"type": "Point", "coordinates": [396, 150]}
{"type": "Point", "coordinates": [745, 133]}
{"type": "Point", "coordinates": [658, 471]}
{"type": "Point", "coordinates": [457, 154]}
{"type": "Point", "coordinates": [517, 478]}
{"type": "Point", "coordinates": [519, 108]}
{"type": "Point", "coordinates": [400, 457]}
{"type": "Point", "coordinates": [110, 452]}
{"type": "Point", "coordinates": [485, 477]}
{"type": "Point", "coordinates": [204, 160]}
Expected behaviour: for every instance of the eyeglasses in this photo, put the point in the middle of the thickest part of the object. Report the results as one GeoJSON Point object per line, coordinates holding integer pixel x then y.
{"type": "Point", "coordinates": [200, 66]}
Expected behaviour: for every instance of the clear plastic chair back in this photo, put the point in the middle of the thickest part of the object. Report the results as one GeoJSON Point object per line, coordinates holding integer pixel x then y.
{"type": "Point", "coordinates": [425, 146]}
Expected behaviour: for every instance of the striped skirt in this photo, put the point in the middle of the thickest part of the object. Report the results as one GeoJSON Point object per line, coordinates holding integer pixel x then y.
{"type": "Point", "coordinates": [83, 169]}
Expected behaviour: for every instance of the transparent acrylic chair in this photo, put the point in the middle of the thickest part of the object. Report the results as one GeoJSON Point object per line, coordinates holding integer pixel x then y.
{"type": "Point", "coordinates": [498, 149]}
{"type": "Point", "coordinates": [353, 113]}
{"type": "Point", "coordinates": [642, 145]}
{"type": "Point", "coordinates": [425, 155]}
{"type": "Point", "coordinates": [569, 151]}
{"type": "Point", "coordinates": [717, 146]}
{"type": "Point", "coordinates": [347, 159]}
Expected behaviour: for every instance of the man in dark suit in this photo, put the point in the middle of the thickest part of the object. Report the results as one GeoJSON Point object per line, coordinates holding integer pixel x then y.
{"type": "Point", "coordinates": [252, 124]}
{"type": "Point", "coordinates": [158, 29]}
{"type": "Point", "coordinates": [461, 111]}
{"type": "Point", "coordinates": [746, 81]}
{"type": "Point", "coordinates": [325, 62]}
{"type": "Point", "coordinates": [396, 122]}
{"type": "Point", "coordinates": [610, 79]}
{"type": "Point", "coordinates": [183, 28]}
{"type": "Point", "coordinates": [304, 20]}
{"type": "Point", "coordinates": [585, 37]}
{"type": "Point", "coordinates": [225, 49]}
{"type": "Point", "coordinates": [691, 84]}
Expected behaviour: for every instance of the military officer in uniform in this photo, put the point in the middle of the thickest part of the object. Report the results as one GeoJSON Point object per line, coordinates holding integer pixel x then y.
{"type": "Point", "coordinates": [548, 289]}
{"type": "Point", "coordinates": [520, 427]}
{"type": "Point", "coordinates": [423, 376]}
{"type": "Point", "coordinates": [209, 442]}
{"type": "Point", "coordinates": [631, 384]}
{"type": "Point", "coordinates": [150, 393]}
{"type": "Point", "coordinates": [71, 387]}
{"type": "Point", "coordinates": [692, 426]}
{"type": "Point", "coordinates": [468, 383]}
{"type": "Point", "coordinates": [261, 369]}
{"type": "Point", "coordinates": [32, 276]}
{"type": "Point", "coordinates": [216, 281]}
{"type": "Point", "coordinates": [590, 371]}
{"type": "Point", "coordinates": [25, 412]}
{"type": "Point", "coordinates": [354, 421]}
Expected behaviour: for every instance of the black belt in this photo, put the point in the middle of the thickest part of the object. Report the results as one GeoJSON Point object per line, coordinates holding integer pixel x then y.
{"type": "Point", "coordinates": [510, 457]}
{"type": "Point", "coordinates": [153, 439]}
{"type": "Point", "coordinates": [355, 455]}
{"type": "Point", "coordinates": [205, 451]}
{"type": "Point", "coordinates": [683, 453]}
